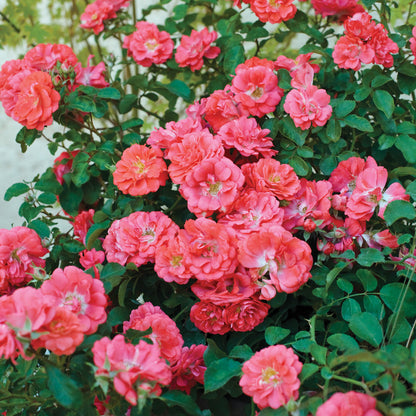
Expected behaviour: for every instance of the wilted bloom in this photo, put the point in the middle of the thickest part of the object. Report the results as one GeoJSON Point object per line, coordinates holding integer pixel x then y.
{"type": "Point", "coordinates": [270, 377]}
{"type": "Point", "coordinates": [148, 45]}
{"type": "Point", "coordinates": [195, 47]}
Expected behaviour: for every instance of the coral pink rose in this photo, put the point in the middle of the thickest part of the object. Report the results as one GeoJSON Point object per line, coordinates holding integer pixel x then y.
{"type": "Point", "coordinates": [270, 377]}
{"type": "Point", "coordinates": [340, 9]}
{"type": "Point", "coordinates": [208, 318]}
{"type": "Point", "coordinates": [140, 171]}
{"type": "Point", "coordinates": [276, 11]}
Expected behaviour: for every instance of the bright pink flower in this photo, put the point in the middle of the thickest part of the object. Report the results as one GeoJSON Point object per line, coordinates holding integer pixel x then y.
{"type": "Point", "coordinates": [221, 108]}
{"type": "Point", "coordinates": [275, 11]}
{"type": "Point", "coordinates": [36, 101]}
{"type": "Point", "coordinates": [208, 318]}
{"type": "Point", "coordinates": [308, 106]}
{"type": "Point", "coordinates": [134, 238]}
{"type": "Point", "coordinates": [340, 9]}
{"type": "Point", "coordinates": [190, 369]}
{"type": "Point", "coordinates": [20, 255]}
{"type": "Point", "coordinates": [313, 200]}
{"type": "Point", "coordinates": [245, 315]}
{"type": "Point", "coordinates": [91, 75]}
{"type": "Point", "coordinates": [270, 377]}
{"type": "Point", "coordinates": [275, 251]}
{"type": "Point", "coordinates": [383, 47]}
{"type": "Point", "coordinates": [45, 56]}
{"type": "Point", "coordinates": [82, 223]}
{"type": "Point", "coordinates": [79, 293]}
{"type": "Point", "coordinates": [412, 45]}
{"type": "Point", "coordinates": [169, 264]}
{"type": "Point", "coordinates": [360, 25]}
{"type": "Point", "coordinates": [95, 14]}
{"type": "Point", "coordinates": [140, 171]}
{"type": "Point", "coordinates": [63, 165]}
{"type": "Point", "coordinates": [174, 132]}
{"type": "Point", "coordinates": [195, 47]}
{"type": "Point", "coordinates": [245, 135]}
{"type": "Point", "coordinates": [269, 175]}
{"type": "Point", "coordinates": [213, 185]}
{"type": "Point", "coordinates": [63, 333]}
{"type": "Point", "coordinates": [139, 368]}
{"type": "Point", "coordinates": [165, 333]}
{"type": "Point", "coordinates": [211, 249]}
{"type": "Point", "coordinates": [393, 193]}
{"type": "Point", "coordinates": [256, 90]}
{"type": "Point", "coordinates": [10, 346]}
{"type": "Point", "coordinates": [90, 258]}
{"type": "Point", "coordinates": [294, 65]}
{"type": "Point", "coordinates": [347, 404]}
{"type": "Point", "coordinates": [230, 289]}
{"type": "Point", "coordinates": [251, 211]}
{"type": "Point", "coordinates": [381, 239]}
{"type": "Point", "coordinates": [193, 149]}
{"type": "Point", "coordinates": [148, 45]}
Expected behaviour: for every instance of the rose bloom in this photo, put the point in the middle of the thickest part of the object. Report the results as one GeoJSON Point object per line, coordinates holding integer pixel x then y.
{"type": "Point", "coordinates": [308, 106]}
{"type": "Point", "coordinates": [193, 149]}
{"type": "Point", "coordinates": [134, 238]}
{"type": "Point", "coordinates": [92, 75]}
{"type": "Point", "coordinates": [36, 101]}
{"type": "Point", "coordinates": [82, 223]}
{"type": "Point", "coordinates": [45, 56]}
{"type": "Point", "coordinates": [245, 135]}
{"type": "Point", "coordinates": [275, 11]}
{"type": "Point", "coordinates": [222, 108]}
{"type": "Point", "coordinates": [350, 51]}
{"type": "Point", "coordinates": [208, 318]}
{"type": "Point", "coordinates": [211, 249]}
{"type": "Point", "coordinates": [190, 369]}
{"type": "Point", "coordinates": [20, 254]}
{"type": "Point", "coordinates": [148, 45]}
{"type": "Point", "coordinates": [79, 293]}
{"type": "Point", "coordinates": [213, 185]}
{"type": "Point", "coordinates": [63, 165]}
{"type": "Point", "coordinates": [256, 89]}
{"type": "Point", "coordinates": [270, 376]}
{"type": "Point", "coordinates": [195, 47]}
{"type": "Point", "coordinates": [139, 368]}
{"type": "Point", "coordinates": [10, 346]}
{"type": "Point", "coordinates": [413, 44]}
{"type": "Point", "coordinates": [165, 333]}
{"type": "Point", "coordinates": [347, 404]}
{"type": "Point", "coordinates": [245, 315]}
{"type": "Point", "coordinates": [269, 175]}
{"type": "Point", "coordinates": [340, 9]}
{"type": "Point", "coordinates": [252, 210]}
{"type": "Point", "coordinates": [383, 46]}
{"type": "Point", "coordinates": [140, 171]}
{"type": "Point", "coordinates": [275, 251]}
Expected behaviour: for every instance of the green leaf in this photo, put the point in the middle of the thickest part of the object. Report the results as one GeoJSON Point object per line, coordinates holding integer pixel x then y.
{"type": "Point", "coordinates": [47, 198]}
{"type": "Point", "coordinates": [179, 398]}
{"type": "Point", "coordinates": [117, 316]}
{"type": "Point", "coordinates": [362, 93]}
{"type": "Point", "coordinates": [345, 285]}
{"type": "Point", "coordinates": [367, 279]}
{"type": "Point", "coordinates": [64, 388]}
{"type": "Point", "coordinates": [393, 295]}
{"type": "Point", "coordinates": [109, 93]}
{"type": "Point", "coordinates": [384, 102]}
{"type": "Point", "coordinates": [127, 103]}
{"type": "Point", "coordinates": [82, 103]}
{"type": "Point", "coordinates": [40, 227]}
{"type": "Point", "coordinates": [133, 122]}
{"type": "Point", "coordinates": [70, 198]}
{"type": "Point", "coordinates": [344, 108]}
{"type": "Point", "coordinates": [369, 256]}
{"type": "Point", "coordinates": [359, 123]}
{"type": "Point", "coordinates": [15, 190]}
{"type": "Point", "coordinates": [406, 127]}
{"type": "Point", "coordinates": [386, 141]}
{"type": "Point", "coordinates": [407, 145]}
{"type": "Point", "coordinates": [399, 209]}
{"type": "Point", "coordinates": [212, 353]}
{"type": "Point", "coordinates": [26, 137]}
{"type": "Point", "coordinates": [220, 372]}
{"type": "Point", "coordinates": [319, 353]}
{"type": "Point", "coordinates": [79, 169]}
{"type": "Point", "coordinates": [111, 275]}
{"type": "Point", "coordinates": [308, 370]}
{"type": "Point", "coordinates": [268, 411]}
{"type": "Point", "coordinates": [274, 334]}
{"type": "Point", "coordinates": [48, 183]}
{"type": "Point", "coordinates": [28, 211]}
{"type": "Point", "coordinates": [299, 165]}
{"type": "Point", "coordinates": [343, 342]}
{"type": "Point", "coordinates": [380, 80]}
{"type": "Point", "coordinates": [333, 130]}
{"type": "Point", "coordinates": [243, 352]}
{"type": "Point", "coordinates": [234, 56]}
{"type": "Point", "coordinates": [349, 308]}
{"type": "Point", "coordinates": [289, 130]}
{"type": "Point", "coordinates": [411, 190]}
{"type": "Point", "coordinates": [180, 89]}
{"type": "Point", "coordinates": [366, 326]}
{"type": "Point", "coordinates": [94, 232]}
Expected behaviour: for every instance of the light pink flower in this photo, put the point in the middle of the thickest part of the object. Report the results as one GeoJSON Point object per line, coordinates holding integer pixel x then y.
{"type": "Point", "coordinates": [270, 377]}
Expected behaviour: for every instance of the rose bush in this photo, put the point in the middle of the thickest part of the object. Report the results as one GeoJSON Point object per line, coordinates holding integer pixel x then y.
{"type": "Point", "coordinates": [229, 224]}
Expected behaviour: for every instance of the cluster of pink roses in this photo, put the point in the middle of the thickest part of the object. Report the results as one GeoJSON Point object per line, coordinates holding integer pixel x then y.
{"type": "Point", "coordinates": [364, 41]}
{"type": "Point", "coordinates": [148, 45]}
{"type": "Point", "coordinates": [138, 371]}
{"type": "Point", "coordinates": [56, 316]}
{"type": "Point", "coordinates": [28, 86]}
{"type": "Point", "coordinates": [21, 250]}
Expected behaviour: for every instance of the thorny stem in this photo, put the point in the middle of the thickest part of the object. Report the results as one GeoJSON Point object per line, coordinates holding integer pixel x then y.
{"type": "Point", "coordinates": [7, 20]}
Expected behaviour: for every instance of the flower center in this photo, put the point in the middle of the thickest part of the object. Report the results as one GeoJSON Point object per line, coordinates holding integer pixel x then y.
{"type": "Point", "coordinates": [214, 188]}
{"type": "Point", "coordinates": [140, 167]}
{"type": "Point", "coordinates": [74, 302]}
{"type": "Point", "coordinates": [175, 261]}
{"type": "Point", "coordinates": [257, 93]}
{"type": "Point", "coordinates": [270, 376]}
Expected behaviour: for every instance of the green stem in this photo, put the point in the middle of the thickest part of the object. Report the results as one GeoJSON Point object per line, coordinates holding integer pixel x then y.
{"type": "Point", "coordinates": [351, 381]}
